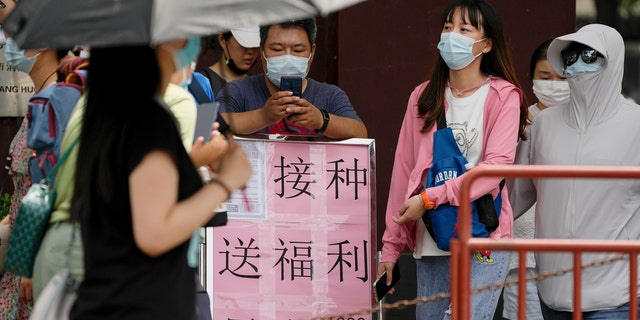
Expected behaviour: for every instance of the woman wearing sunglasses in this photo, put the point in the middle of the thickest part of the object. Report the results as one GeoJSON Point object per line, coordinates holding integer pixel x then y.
{"type": "Point", "coordinates": [597, 127]}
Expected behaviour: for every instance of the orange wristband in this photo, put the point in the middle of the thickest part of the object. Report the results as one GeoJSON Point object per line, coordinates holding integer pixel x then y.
{"type": "Point", "coordinates": [428, 204]}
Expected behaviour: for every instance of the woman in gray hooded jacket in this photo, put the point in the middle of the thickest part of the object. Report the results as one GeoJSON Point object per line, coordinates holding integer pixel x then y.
{"type": "Point", "coordinates": [597, 127]}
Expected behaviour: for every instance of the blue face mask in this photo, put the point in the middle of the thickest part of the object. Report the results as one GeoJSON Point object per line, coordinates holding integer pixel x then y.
{"type": "Point", "coordinates": [457, 50]}
{"type": "Point", "coordinates": [286, 65]}
{"type": "Point", "coordinates": [580, 67]}
{"type": "Point", "coordinates": [16, 58]}
{"type": "Point", "coordinates": [184, 56]}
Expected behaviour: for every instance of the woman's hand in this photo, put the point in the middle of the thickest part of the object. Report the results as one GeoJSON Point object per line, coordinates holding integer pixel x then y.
{"type": "Point", "coordinates": [388, 267]}
{"type": "Point", "coordinates": [278, 106]}
{"type": "Point", "coordinates": [25, 290]}
{"type": "Point", "coordinates": [411, 210]}
{"type": "Point", "coordinates": [202, 154]}
{"type": "Point", "coordinates": [235, 169]}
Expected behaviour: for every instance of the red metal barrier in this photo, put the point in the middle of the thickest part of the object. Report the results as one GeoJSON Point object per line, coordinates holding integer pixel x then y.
{"type": "Point", "coordinates": [462, 247]}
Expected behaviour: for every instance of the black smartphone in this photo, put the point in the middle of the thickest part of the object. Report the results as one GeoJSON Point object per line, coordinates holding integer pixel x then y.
{"type": "Point", "coordinates": [207, 113]}
{"type": "Point", "coordinates": [291, 83]}
{"type": "Point", "coordinates": [380, 287]}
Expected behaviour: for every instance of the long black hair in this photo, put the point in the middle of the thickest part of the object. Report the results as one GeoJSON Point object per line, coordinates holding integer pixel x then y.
{"type": "Point", "coordinates": [107, 114]}
{"type": "Point", "coordinates": [496, 62]}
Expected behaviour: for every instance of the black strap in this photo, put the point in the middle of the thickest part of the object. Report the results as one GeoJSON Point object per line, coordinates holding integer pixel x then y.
{"type": "Point", "coordinates": [198, 92]}
{"type": "Point", "coordinates": [216, 81]}
{"type": "Point", "coordinates": [201, 96]}
{"type": "Point", "coordinates": [442, 120]}
{"type": "Point", "coordinates": [442, 123]}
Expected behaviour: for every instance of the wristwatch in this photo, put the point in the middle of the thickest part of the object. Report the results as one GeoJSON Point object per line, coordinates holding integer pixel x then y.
{"type": "Point", "coordinates": [325, 121]}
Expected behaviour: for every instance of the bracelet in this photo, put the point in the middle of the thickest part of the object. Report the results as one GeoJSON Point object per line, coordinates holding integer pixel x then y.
{"type": "Point", "coordinates": [428, 204]}
{"type": "Point", "coordinates": [222, 185]}
{"type": "Point", "coordinates": [325, 121]}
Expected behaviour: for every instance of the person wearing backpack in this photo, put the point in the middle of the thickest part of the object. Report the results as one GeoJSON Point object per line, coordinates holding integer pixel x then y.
{"type": "Point", "coordinates": [55, 242]}
{"type": "Point", "coordinates": [56, 239]}
{"type": "Point", "coordinates": [40, 64]}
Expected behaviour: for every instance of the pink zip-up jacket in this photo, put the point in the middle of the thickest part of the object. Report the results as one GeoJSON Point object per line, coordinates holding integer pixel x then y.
{"type": "Point", "coordinates": [414, 153]}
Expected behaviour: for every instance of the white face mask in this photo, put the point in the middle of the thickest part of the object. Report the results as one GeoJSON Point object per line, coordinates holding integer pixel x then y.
{"type": "Point", "coordinates": [551, 92]}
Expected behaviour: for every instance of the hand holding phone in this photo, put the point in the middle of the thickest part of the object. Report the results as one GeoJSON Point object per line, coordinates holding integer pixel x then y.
{"type": "Point", "coordinates": [206, 115]}
{"type": "Point", "coordinates": [380, 285]}
{"type": "Point", "coordinates": [291, 83]}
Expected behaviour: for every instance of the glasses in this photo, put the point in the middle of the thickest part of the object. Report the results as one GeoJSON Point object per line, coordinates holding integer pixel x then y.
{"type": "Point", "coordinates": [587, 55]}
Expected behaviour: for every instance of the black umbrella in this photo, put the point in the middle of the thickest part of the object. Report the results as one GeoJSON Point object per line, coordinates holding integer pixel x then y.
{"type": "Point", "coordinates": [66, 23]}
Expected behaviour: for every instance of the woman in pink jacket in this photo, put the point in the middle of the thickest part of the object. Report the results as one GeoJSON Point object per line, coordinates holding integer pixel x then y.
{"type": "Point", "coordinates": [474, 86]}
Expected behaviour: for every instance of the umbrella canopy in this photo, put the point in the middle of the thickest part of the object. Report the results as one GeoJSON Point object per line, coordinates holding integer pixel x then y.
{"type": "Point", "coordinates": [98, 23]}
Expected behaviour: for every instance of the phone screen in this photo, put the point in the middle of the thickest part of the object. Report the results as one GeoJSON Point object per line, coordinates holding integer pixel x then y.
{"type": "Point", "coordinates": [293, 84]}
{"type": "Point", "coordinates": [380, 285]}
{"type": "Point", "coordinates": [206, 115]}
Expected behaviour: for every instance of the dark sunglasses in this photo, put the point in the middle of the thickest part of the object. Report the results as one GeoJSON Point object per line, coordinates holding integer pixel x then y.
{"type": "Point", "coordinates": [587, 55]}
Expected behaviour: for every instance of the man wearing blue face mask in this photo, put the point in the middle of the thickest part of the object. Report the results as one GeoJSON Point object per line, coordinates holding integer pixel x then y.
{"type": "Point", "coordinates": [257, 105]}
{"type": "Point", "coordinates": [596, 127]}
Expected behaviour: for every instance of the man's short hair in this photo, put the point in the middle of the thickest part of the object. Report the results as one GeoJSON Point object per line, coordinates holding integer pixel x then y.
{"type": "Point", "coordinates": [308, 24]}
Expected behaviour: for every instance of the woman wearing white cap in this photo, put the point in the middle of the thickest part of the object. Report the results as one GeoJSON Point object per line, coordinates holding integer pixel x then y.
{"type": "Point", "coordinates": [239, 50]}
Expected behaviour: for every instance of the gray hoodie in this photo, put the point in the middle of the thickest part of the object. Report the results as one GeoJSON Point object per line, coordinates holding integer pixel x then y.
{"type": "Point", "coordinates": [597, 127]}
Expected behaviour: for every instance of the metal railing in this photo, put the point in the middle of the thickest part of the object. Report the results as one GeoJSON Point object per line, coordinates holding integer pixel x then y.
{"type": "Point", "coordinates": [462, 248]}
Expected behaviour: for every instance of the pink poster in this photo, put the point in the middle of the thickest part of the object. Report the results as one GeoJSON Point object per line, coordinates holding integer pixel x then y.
{"type": "Point", "coordinates": [305, 246]}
